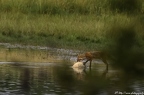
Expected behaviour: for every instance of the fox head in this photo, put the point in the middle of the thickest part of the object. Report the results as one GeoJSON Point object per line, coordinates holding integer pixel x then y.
{"type": "Point", "coordinates": [80, 57]}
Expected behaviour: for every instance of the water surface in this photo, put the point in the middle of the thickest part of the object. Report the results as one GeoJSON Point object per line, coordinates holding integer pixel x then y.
{"type": "Point", "coordinates": [62, 79]}
{"type": "Point", "coordinates": [35, 70]}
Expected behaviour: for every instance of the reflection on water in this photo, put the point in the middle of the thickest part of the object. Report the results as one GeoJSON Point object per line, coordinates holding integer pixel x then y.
{"type": "Point", "coordinates": [27, 53]}
{"type": "Point", "coordinates": [34, 55]}
{"type": "Point", "coordinates": [26, 79]}
{"type": "Point", "coordinates": [59, 79]}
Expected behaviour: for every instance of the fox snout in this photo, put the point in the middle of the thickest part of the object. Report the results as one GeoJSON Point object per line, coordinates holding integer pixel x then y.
{"type": "Point", "coordinates": [81, 57]}
{"type": "Point", "coordinates": [78, 59]}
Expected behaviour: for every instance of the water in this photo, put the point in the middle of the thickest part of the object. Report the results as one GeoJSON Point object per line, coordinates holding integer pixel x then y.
{"type": "Point", "coordinates": [26, 79]}
{"type": "Point", "coordinates": [10, 52]}
{"type": "Point", "coordinates": [61, 79]}
{"type": "Point", "coordinates": [34, 70]}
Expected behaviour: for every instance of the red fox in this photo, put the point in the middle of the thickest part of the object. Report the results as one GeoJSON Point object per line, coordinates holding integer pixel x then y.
{"type": "Point", "coordinates": [89, 56]}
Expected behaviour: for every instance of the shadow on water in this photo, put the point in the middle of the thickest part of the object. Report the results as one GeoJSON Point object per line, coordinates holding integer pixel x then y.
{"type": "Point", "coordinates": [25, 80]}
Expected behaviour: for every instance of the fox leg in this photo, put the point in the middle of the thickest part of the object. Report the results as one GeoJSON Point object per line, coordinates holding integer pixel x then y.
{"type": "Point", "coordinates": [86, 62]}
{"type": "Point", "coordinates": [90, 63]}
{"type": "Point", "coordinates": [104, 60]}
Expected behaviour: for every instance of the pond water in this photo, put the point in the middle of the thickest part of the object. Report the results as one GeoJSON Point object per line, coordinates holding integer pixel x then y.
{"type": "Point", "coordinates": [62, 79]}
{"type": "Point", "coordinates": [46, 71]}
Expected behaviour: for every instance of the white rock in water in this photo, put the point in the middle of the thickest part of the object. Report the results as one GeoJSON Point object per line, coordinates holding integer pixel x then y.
{"type": "Point", "coordinates": [78, 65]}
{"type": "Point", "coordinates": [78, 70]}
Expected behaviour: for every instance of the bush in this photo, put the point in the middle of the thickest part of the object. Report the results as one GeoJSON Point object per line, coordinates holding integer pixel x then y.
{"type": "Point", "coordinates": [128, 6]}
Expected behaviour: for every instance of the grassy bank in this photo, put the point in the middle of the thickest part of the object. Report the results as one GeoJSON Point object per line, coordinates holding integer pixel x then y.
{"type": "Point", "coordinates": [50, 30]}
{"type": "Point", "coordinates": [65, 24]}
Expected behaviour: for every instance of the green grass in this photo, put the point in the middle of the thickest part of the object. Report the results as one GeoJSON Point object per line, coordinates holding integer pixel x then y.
{"type": "Point", "coordinates": [53, 6]}
{"type": "Point", "coordinates": [47, 29]}
{"type": "Point", "coordinates": [65, 24]}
